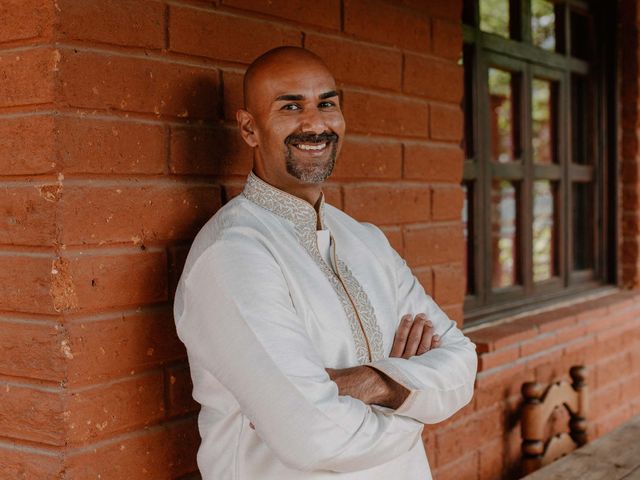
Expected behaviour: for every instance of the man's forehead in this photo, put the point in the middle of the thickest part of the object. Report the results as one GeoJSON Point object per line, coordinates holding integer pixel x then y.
{"type": "Point", "coordinates": [308, 82]}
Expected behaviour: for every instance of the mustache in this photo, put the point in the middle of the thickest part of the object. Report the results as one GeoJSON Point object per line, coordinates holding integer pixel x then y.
{"type": "Point", "coordinates": [311, 138]}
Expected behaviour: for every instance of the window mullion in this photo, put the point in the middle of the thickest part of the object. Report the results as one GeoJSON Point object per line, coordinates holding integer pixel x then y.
{"type": "Point", "coordinates": [526, 199]}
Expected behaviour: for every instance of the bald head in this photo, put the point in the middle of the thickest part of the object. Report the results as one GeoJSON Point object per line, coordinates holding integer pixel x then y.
{"type": "Point", "coordinates": [273, 64]}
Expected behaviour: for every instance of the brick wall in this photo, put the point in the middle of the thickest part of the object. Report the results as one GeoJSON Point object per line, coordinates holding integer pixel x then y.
{"type": "Point", "coordinates": [117, 142]}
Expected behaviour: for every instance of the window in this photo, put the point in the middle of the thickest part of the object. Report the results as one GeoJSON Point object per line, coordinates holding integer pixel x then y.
{"type": "Point", "coordinates": [538, 172]}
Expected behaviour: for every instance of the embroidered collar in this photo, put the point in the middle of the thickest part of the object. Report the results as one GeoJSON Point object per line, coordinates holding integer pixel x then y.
{"type": "Point", "coordinates": [300, 212]}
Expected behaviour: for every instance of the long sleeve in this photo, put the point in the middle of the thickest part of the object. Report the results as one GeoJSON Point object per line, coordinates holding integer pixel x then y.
{"type": "Point", "coordinates": [239, 323]}
{"type": "Point", "coordinates": [440, 380]}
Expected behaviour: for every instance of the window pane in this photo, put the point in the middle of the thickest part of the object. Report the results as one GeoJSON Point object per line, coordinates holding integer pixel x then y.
{"type": "Point", "coordinates": [494, 16]}
{"type": "Point", "coordinates": [503, 96]}
{"type": "Point", "coordinates": [543, 122]}
{"type": "Point", "coordinates": [579, 120]}
{"type": "Point", "coordinates": [544, 234]}
{"type": "Point", "coordinates": [467, 223]}
{"type": "Point", "coordinates": [583, 226]}
{"type": "Point", "coordinates": [580, 35]}
{"type": "Point", "coordinates": [503, 233]}
{"type": "Point", "coordinates": [543, 24]}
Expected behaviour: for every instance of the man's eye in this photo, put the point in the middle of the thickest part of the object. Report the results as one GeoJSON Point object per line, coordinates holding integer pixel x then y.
{"type": "Point", "coordinates": [291, 106]}
{"type": "Point", "coordinates": [327, 104]}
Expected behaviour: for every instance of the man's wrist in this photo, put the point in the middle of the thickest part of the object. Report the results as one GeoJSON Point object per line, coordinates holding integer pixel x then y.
{"type": "Point", "coordinates": [387, 392]}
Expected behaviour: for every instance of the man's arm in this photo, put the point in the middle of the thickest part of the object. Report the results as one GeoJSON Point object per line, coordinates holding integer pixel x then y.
{"type": "Point", "coordinates": [239, 324]}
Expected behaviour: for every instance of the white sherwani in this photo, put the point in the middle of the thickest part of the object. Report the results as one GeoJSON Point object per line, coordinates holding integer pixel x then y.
{"type": "Point", "coordinates": [265, 304]}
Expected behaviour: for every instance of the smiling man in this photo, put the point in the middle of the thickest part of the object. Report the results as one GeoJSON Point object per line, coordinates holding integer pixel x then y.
{"type": "Point", "coordinates": [314, 351]}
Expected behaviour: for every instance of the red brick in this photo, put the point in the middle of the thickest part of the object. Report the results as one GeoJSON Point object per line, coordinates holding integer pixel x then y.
{"type": "Point", "coordinates": [537, 344]}
{"type": "Point", "coordinates": [387, 203]}
{"type": "Point", "coordinates": [34, 349]}
{"type": "Point", "coordinates": [232, 93]}
{"type": "Point", "coordinates": [225, 37]}
{"type": "Point", "coordinates": [104, 410]}
{"type": "Point", "coordinates": [432, 78]}
{"type": "Point", "coordinates": [362, 157]}
{"type": "Point", "coordinates": [205, 150]}
{"type": "Point", "coordinates": [449, 284]}
{"type": "Point", "coordinates": [137, 23]}
{"type": "Point", "coordinates": [32, 413]}
{"type": "Point", "coordinates": [491, 459]}
{"type": "Point", "coordinates": [445, 123]}
{"type": "Point", "coordinates": [358, 63]}
{"type": "Point", "coordinates": [161, 452]}
{"type": "Point", "coordinates": [384, 23]}
{"type": "Point", "coordinates": [29, 216]}
{"type": "Point", "coordinates": [604, 400]}
{"type": "Point", "coordinates": [333, 194]}
{"type": "Point", "coordinates": [465, 468]}
{"type": "Point", "coordinates": [498, 336]}
{"type": "Point", "coordinates": [446, 203]}
{"type": "Point", "coordinates": [433, 244]}
{"type": "Point", "coordinates": [447, 38]}
{"type": "Point", "coordinates": [27, 145]}
{"type": "Point", "coordinates": [20, 463]}
{"type": "Point", "coordinates": [137, 214]}
{"type": "Point", "coordinates": [26, 19]}
{"type": "Point", "coordinates": [179, 386]}
{"type": "Point", "coordinates": [102, 281]}
{"type": "Point", "coordinates": [394, 235]}
{"type": "Point", "coordinates": [613, 420]}
{"type": "Point", "coordinates": [435, 163]}
{"type": "Point", "coordinates": [612, 369]}
{"type": "Point", "coordinates": [455, 441]}
{"type": "Point", "coordinates": [425, 277]}
{"type": "Point", "coordinates": [177, 259]}
{"type": "Point", "coordinates": [28, 76]}
{"type": "Point", "coordinates": [498, 358]}
{"type": "Point", "coordinates": [385, 114]}
{"type": "Point", "coordinates": [327, 16]}
{"type": "Point", "coordinates": [96, 80]}
{"type": "Point", "coordinates": [450, 10]}
{"type": "Point", "coordinates": [120, 345]}
{"type": "Point", "coordinates": [27, 282]}
{"type": "Point", "coordinates": [455, 312]}
{"type": "Point", "coordinates": [88, 145]}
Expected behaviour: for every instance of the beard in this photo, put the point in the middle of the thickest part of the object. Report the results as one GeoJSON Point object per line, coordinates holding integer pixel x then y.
{"type": "Point", "coordinates": [314, 171]}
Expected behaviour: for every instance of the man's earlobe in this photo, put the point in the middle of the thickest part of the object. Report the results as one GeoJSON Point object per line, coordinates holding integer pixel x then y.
{"type": "Point", "coordinates": [245, 124]}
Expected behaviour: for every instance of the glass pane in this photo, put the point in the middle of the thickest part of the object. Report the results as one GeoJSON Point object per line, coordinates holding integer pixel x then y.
{"type": "Point", "coordinates": [494, 16]}
{"type": "Point", "coordinates": [579, 120]}
{"type": "Point", "coordinates": [503, 96]}
{"type": "Point", "coordinates": [543, 24]}
{"type": "Point", "coordinates": [580, 35]}
{"type": "Point", "coordinates": [583, 226]}
{"type": "Point", "coordinates": [467, 60]}
{"type": "Point", "coordinates": [543, 231]}
{"type": "Point", "coordinates": [543, 122]}
{"type": "Point", "coordinates": [503, 233]}
{"type": "Point", "coordinates": [467, 223]}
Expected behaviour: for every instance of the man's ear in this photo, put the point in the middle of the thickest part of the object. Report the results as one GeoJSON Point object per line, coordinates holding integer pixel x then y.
{"type": "Point", "coordinates": [246, 126]}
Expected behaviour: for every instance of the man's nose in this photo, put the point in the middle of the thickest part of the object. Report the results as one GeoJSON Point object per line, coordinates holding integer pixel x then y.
{"type": "Point", "coordinates": [312, 121]}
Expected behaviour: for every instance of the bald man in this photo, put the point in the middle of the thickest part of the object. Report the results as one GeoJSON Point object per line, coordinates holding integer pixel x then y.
{"type": "Point", "coordinates": [314, 351]}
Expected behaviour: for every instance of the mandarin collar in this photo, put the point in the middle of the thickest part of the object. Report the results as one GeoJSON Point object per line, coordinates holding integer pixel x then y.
{"type": "Point", "coordinates": [300, 212]}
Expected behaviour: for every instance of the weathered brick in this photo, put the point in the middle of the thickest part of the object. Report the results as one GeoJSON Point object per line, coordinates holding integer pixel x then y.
{"type": "Point", "coordinates": [462, 437]}
{"type": "Point", "coordinates": [233, 96]}
{"type": "Point", "coordinates": [137, 23]}
{"type": "Point", "coordinates": [498, 358]}
{"type": "Point", "coordinates": [432, 162]}
{"type": "Point", "coordinates": [491, 459]}
{"type": "Point", "coordinates": [328, 15]}
{"type": "Point", "coordinates": [372, 113]}
{"type": "Point", "coordinates": [385, 23]}
{"type": "Point", "coordinates": [446, 203]}
{"type": "Point", "coordinates": [27, 145]}
{"type": "Point", "coordinates": [363, 157]}
{"type": "Point", "coordinates": [445, 123]}
{"type": "Point", "coordinates": [448, 284]}
{"type": "Point", "coordinates": [433, 244]}
{"type": "Point", "coordinates": [27, 76]}
{"type": "Point", "coordinates": [447, 38]}
{"type": "Point", "coordinates": [358, 63]}
{"type": "Point", "coordinates": [385, 204]}
{"type": "Point", "coordinates": [18, 462]}
{"type": "Point", "coordinates": [26, 19]}
{"type": "Point", "coordinates": [394, 235]}
{"type": "Point", "coordinates": [502, 335]}
{"type": "Point", "coordinates": [432, 78]}
{"type": "Point", "coordinates": [95, 80]}
{"type": "Point", "coordinates": [28, 291]}
{"type": "Point", "coordinates": [179, 388]}
{"type": "Point", "coordinates": [425, 277]}
{"type": "Point", "coordinates": [450, 10]}
{"type": "Point", "coordinates": [225, 37]}
{"type": "Point", "coordinates": [92, 145]}
{"type": "Point", "coordinates": [465, 467]}
{"type": "Point", "coordinates": [29, 216]}
{"type": "Point", "coordinates": [136, 214]}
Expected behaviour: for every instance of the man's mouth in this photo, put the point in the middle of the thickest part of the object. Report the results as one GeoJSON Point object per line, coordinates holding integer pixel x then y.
{"type": "Point", "coordinates": [312, 144]}
{"type": "Point", "coordinates": [311, 147]}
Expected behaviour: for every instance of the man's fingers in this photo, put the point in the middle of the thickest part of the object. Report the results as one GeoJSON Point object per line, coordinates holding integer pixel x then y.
{"type": "Point", "coordinates": [400, 338]}
{"type": "Point", "coordinates": [413, 340]}
{"type": "Point", "coordinates": [427, 341]}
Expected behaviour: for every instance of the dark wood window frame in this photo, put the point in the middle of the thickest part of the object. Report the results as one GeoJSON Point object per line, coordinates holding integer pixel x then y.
{"type": "Point", "coordinates": [517, 54]}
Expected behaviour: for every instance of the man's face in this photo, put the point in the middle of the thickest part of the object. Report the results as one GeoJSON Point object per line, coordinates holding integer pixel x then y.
{"type": "Point", "coordinates": [297, 121]}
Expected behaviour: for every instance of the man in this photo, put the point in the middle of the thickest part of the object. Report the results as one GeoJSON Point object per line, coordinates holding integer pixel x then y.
{"type": "Point", "coordinates": [314, 351]}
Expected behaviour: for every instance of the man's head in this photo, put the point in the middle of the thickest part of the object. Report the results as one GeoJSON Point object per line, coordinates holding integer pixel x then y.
{"type": "Point", "coordinates": [291, 118]}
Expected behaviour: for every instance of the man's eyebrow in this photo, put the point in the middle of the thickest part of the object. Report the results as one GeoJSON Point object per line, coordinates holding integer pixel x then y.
{"type": "Point", "coordinates": [289, 97]}
{"type": "Point", "coordinates": [329, 94]}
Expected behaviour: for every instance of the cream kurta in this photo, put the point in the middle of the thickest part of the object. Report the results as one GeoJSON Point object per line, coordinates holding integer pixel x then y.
{"type": "Point", "coordinates": [262, 314]}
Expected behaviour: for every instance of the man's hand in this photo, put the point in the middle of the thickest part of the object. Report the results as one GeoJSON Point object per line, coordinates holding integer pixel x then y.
{"type": "Point", "coordinates": [414, 337]}
{"type": "Point", "coordinates": [369, 386]}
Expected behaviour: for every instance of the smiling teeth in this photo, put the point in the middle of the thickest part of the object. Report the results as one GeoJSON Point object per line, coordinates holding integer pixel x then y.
{"type": "Point", "coordinates": [312, 147]}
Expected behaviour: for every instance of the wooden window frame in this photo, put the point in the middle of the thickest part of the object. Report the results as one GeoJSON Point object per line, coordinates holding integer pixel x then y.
{"type": "Point", "coordinates": [517, 54]}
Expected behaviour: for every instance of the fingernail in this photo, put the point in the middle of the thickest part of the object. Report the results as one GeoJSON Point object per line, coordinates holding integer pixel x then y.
{"type": "Point", "coordinates": [429, 324]}
{"type": "Point", "coordinates": [436, 338]}
{"type": "Point", "coordinates": [422, 315]}
{"type": "Point", "coordinates": [407, 318]}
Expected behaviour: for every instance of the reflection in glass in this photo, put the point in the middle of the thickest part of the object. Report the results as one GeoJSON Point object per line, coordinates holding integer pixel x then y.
{"type": "Point", "coordinates": [543, 231]}
{"type": "Point", "coordinates": [502, 112]}
{"type": "Point", "coordinates": [494, 16]}
{"type": "Point", "coordinates": [583, 229]}
{"type": "Point", "coordinates": [543, 107]}
{"type": "Point", "coordinates": [503, 233]}
{"type": "Point", "coordinates": [543, 24]}
{"type": "Point", "coordinates": [579, 120]}
{"type": "Point", "coordinates": [467, 224]}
